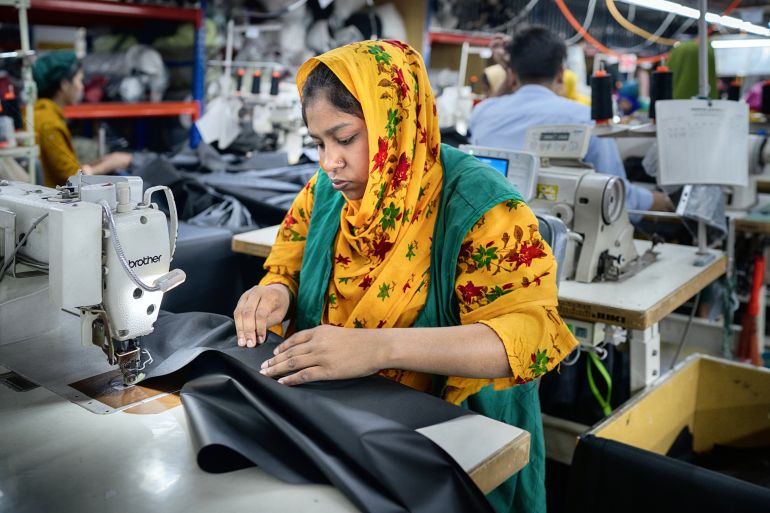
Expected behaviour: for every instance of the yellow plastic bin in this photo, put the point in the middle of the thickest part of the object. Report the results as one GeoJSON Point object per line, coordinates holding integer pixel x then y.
{"type": "Point", "coordinates": [621, 464]}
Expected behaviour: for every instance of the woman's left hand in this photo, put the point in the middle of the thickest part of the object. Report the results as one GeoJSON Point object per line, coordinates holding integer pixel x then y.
{"type": "Point", "coordinates": [325, 353]}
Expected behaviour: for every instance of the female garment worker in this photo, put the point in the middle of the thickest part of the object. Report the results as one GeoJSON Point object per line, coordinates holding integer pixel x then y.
{"type": "Point", "coordinates": [433, 256]}
{"type": "Point", "coordinates": [59, 81]}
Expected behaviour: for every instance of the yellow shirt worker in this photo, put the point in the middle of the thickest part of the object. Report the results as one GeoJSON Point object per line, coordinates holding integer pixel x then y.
{"type": "Point", "coordinates": [59, 79]}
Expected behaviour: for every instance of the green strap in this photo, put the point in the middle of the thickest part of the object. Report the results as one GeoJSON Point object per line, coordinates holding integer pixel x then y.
{"type": "Point", "coordinates": [604, 401]}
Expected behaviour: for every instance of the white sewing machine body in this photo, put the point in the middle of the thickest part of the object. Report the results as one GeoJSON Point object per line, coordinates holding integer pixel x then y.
{"type": "Point", "coordinates": [592, 205]}
{"type": "Point", "coordinates": [83, 243]}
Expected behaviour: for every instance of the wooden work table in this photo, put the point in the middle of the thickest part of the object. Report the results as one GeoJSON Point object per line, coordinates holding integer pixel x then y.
{"type": "Point", "coordinates": [256, 242]}
{"type": "Point", "coordinates": [646, 298]}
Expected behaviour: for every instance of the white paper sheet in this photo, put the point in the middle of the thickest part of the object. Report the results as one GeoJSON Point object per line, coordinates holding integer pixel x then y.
{"type": "Point", "coordinates": [219, 123]}
{"type": "Point", "coordinates": [702, 142]}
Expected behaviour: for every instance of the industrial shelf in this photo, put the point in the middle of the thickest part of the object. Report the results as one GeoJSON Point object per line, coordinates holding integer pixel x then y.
{"type": "Point", "coordinates": [457, 37]}
{"type": "Point", "coordinates": [85, 12]}
{"type": "Point", "coordinates": [90, 12]}
{"type": "Point", "coordinates": [131, 110]}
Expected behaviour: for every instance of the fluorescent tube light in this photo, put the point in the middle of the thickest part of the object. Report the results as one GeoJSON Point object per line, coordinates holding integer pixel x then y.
{"type": "Point", "coordinates": [689, 12]}
{"type": "Point", "coordinates": [740, 43]}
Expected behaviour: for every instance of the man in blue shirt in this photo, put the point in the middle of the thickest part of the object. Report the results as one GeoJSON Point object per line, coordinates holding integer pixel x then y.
{"type": "Point", "coordinates": [536, 59]}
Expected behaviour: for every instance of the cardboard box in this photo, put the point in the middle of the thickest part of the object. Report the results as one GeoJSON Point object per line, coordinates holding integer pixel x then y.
{"type": "Point", "coordinates": [621, 463]}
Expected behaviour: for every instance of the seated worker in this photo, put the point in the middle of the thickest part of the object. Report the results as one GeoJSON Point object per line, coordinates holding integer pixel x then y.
{"type": "Point", "coordinates": [569, 88]}
{"type": "Point", "coordinates": [683, 63]}
{"type": "Point", "coordinates": [60, 83]}
{"type": "Point", "coordinates": [536, 57]}
{"type": "Point", "coordinates": [433, 256]}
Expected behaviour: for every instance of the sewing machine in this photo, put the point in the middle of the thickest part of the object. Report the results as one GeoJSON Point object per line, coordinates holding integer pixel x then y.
{"type": "Point", "coordinates": [100, 249]}
{"type": "Point", "coordinates": [278, 115]}
{"type": "Point", "coordinates": [600, 246]}
{"type": "Point", "coordinates": [743, 198]}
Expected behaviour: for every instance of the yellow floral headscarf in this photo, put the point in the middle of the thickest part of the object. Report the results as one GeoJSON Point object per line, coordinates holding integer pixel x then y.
{"type": "Point", "coordinates": [387, 236]}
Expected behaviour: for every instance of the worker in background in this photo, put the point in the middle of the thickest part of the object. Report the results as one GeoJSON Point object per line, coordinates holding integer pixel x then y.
{"type": "Point", "coordinates": [754, 96]}
{"type": "Point", "coordinates": [628, 100]}
{"type": "Point", "coordinates": [433, 256]}
{"type": "Point", "coordinates": [536, 57]}
{"type": "Point", "coordinates": [59, 79]}
{"type": "Point", "coordinates": [570, 89]}
{"type": "Point", "coordinates": [683, 63]}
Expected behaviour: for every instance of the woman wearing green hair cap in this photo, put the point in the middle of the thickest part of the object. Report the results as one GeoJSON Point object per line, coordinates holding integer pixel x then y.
{"type": "Point", "coordinates": [59, 79]}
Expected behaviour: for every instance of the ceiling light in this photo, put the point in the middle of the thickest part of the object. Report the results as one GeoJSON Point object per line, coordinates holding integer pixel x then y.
{"type": "Point", "coordinates": [740, 43]}
{"type": "Point", "coordinates": [689, 12]}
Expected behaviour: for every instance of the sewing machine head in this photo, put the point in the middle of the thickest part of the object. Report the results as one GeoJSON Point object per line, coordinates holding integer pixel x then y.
{"type": "Point", "coordinates": [592, 205]}
{"type": "Point", "coordinates": [106, 251]}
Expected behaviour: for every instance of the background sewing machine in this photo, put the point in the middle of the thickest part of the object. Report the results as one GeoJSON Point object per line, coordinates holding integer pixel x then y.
{"type": "Point", "coordinates": [251, 100]}
{"type": "Point", "coordinates": [744, 198]}
{"type": "Point", "coordinates": [554, 180]}
{"type": "Point", "coordinates": [99, 248]}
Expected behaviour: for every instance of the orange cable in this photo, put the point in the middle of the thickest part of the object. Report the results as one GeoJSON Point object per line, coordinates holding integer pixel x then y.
{"type": "Point", "coordinates": [599, 46]}
{"type": "Point", "coordinates": [593, 42]}
{"type": "Point", "coordinates": [626, 23]}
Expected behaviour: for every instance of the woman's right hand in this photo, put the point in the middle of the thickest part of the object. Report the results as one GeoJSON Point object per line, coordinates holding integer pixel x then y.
{"type": "Point", "coordinates": [260, 308]}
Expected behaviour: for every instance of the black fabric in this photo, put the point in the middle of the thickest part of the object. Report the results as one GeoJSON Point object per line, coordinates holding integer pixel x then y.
{"type": "Point", "coordinates": [355, 434]}
{"type": "Point", "coordinates": [216, 277]}
{"type": "Point", "coordinates": [256, 202]}
{"type": "Point", "coordinates": [193, 197]}
{"type": "Point", "coordinates": [750, 464]}
{"type": "Point", "coordinates": [608, 476]}
{"type": "Point", "coordinates": [566, 394]}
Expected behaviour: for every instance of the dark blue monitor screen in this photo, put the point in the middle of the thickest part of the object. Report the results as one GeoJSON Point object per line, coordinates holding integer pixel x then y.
{"type": "Point", "coordinates": [499, 164]}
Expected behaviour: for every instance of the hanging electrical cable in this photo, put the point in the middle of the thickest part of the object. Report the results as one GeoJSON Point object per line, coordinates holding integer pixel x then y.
{"type": "Point", "coordinates": [616, 14]}
{"type": "Point", "coordinates": [604, 49]}
{"type": "Point", "coordinates": [683, 27]}
{"type": "Point", "coordinates": [649, 42]}
{"type": "Point", "coordinates": [586, 24]}
{"type": "Point", "coordinates": [515, 21]}
{"type": "Point", "coordinates": [655, 37]}
{"type": "Point", "coordinates": [659, 31]}
{"type": "Point", "coordinates": [593, 41]}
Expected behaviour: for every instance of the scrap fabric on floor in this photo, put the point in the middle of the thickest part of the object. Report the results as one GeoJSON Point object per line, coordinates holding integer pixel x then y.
{"type": "Point", "coordinates": [358, 435]}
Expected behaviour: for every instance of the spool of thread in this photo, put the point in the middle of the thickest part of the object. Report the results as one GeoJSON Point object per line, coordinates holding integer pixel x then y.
{"type": "Point", "coordinates": [766, 97]}
{"type": "Point", "coordinates": [601, 97]}
{"type": "Point", "coordinates": [275, 78]}
{"type": "Point", "coordinates": [734, 91]}
{"type": "Point", "coordinates": [239, 80]}
{"type": "Point", "coordinates": [661, 87]}
{"type": "Point", "coordinates": [256, 82]}
{"type": "Point", "coordinates": [11, 107]}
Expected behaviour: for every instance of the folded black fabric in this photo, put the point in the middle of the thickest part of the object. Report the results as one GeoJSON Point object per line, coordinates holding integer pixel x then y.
{"type": "Point", "coordinates": [609, 476]}
{"type": "Point", "coordinates": [355, 434]}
